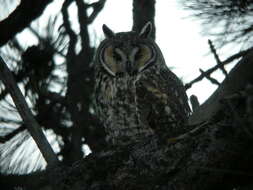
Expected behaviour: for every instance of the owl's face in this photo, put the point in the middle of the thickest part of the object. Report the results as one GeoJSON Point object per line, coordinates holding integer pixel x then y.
{"type": "Point", "coordinates": [127, 53]}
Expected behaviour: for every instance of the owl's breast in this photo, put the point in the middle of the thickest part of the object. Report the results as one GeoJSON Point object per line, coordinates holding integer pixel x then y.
{"type": "Point", "coordinates": [118, 109]}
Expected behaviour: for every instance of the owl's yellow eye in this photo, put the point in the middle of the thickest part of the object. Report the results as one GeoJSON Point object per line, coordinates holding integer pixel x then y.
{"type": "Point", "coordinates": [112, 58]}
{"type": "Point", "coordinates": [143, 57]}
{"type": "Point", "coordinates": [117, 56]}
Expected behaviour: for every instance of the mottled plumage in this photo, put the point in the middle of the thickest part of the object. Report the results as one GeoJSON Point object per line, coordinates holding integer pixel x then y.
{"type": "Point", "coordinates": [136, 95]}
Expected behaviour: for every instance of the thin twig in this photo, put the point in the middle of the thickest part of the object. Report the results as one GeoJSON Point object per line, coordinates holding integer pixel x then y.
{"type": "Point", "coordinates": [218, 61]}
{"type": "Point", "coordinates": [26, 114]}
{"type": "Point", "coordinates": [208, 77]}
{"type": "Point", "coordinates": [10, 135]}
{"type": "Point", "coordinates": [43, 40]}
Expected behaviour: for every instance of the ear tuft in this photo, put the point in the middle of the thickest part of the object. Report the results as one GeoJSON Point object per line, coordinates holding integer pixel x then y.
{"type": "Point", "coordinates": [146, 30]}
{"type": "Point", "coordinates": [107, 31]}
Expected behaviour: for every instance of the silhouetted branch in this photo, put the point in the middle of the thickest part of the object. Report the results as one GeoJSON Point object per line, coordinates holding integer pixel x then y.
{"type": "Point", "coordinates": [97, 7]}
{"type": "Point", "coordinates": [20, 18]}
{"type": "Point", "coordinates": [40, 38]}
{"type": "Point", "coordinates": [218, 61]}
{"type": "Point", "coordinates": [83, 20]}
{"type": "Point", "coordinates": [26, 114]}
{"type": "Point", "coordinates": [239, 77]}
{"type": "Point", "coordinates": [69, 31]}
{"type": "Point", "coordinates": [7, 137]}
{"type": "Point", "coordinates": [216, 67]}
{"type": "Point", "coordinates": [207, 76]}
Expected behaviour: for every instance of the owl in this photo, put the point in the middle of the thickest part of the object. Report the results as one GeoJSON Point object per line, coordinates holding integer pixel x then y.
{"type": "Point", "coordinates": [136, 94]}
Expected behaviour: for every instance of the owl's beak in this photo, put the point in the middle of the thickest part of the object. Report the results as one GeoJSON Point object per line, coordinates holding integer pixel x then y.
{"type": "Point", "coordinates": [130, 68]}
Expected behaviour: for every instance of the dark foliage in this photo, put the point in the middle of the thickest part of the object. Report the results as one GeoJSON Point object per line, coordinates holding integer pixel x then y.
{"type": "Point", "coordinates": [227, 20]}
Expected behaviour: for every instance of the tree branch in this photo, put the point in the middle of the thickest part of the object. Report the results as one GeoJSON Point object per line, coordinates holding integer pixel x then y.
{"type": "Point", "coordinates": [24, 111]}
{"type": "Point", "coordinates": [208, 77]}
{"type": "Point", "coordinates": [218, 61]}
{"type": "Point", "coordinates": [72, 36]}
{"type": "Point", "coordinates": [26, 12]}
{"type": "Point", "coordinates": [97, 7]}
{"type": "Point", "coordinates": [216, 67]}
{"type": "Point", "coordinates": [239, 77]}
{"type": "Point", "coordinates": [10, 135]}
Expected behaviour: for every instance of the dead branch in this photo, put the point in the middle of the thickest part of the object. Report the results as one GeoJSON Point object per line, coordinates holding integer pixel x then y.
{"type": "Point", "coordinates": [216, 67]}
{"type": "Point", "coordinates": [218, 61]}
{"type": "Point", "coordinates": [208, 77]}
{"type": "Point", "coordinates": [26, 114]}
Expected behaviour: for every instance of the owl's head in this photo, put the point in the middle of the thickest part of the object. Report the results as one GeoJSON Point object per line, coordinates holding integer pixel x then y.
{"type": "Point", "coordinates": [127, 52]}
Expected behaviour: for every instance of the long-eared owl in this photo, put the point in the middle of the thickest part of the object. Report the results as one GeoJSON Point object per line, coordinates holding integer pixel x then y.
{"type": "Point", "coordinates": [136, 95]}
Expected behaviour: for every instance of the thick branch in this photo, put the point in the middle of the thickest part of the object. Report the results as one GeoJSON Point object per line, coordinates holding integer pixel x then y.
{"type": "Point", "coordinates": [24, 111]}
{"type": "Point", "coordinates": [26, 12]}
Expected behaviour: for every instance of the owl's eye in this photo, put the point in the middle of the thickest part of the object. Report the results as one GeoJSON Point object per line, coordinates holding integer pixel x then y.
{"type": "Point", "coordinates": [144, 57]}
{"type": "Point", "coordinates": [138, 54]}
{"type": "Point", "coordinates": [117, 56]}
{"type": "Point", "coordinates": [111, 60]}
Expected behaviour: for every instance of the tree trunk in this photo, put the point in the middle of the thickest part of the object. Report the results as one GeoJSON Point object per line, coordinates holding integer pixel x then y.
{"type": "Point", "coordinates": [143, 12]}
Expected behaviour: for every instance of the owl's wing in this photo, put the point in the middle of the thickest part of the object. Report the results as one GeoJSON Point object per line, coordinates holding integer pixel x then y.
{"type": "Point", "coordinates": [163, 103]}
{"type": "Point", "coordinates": [176, 89]}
